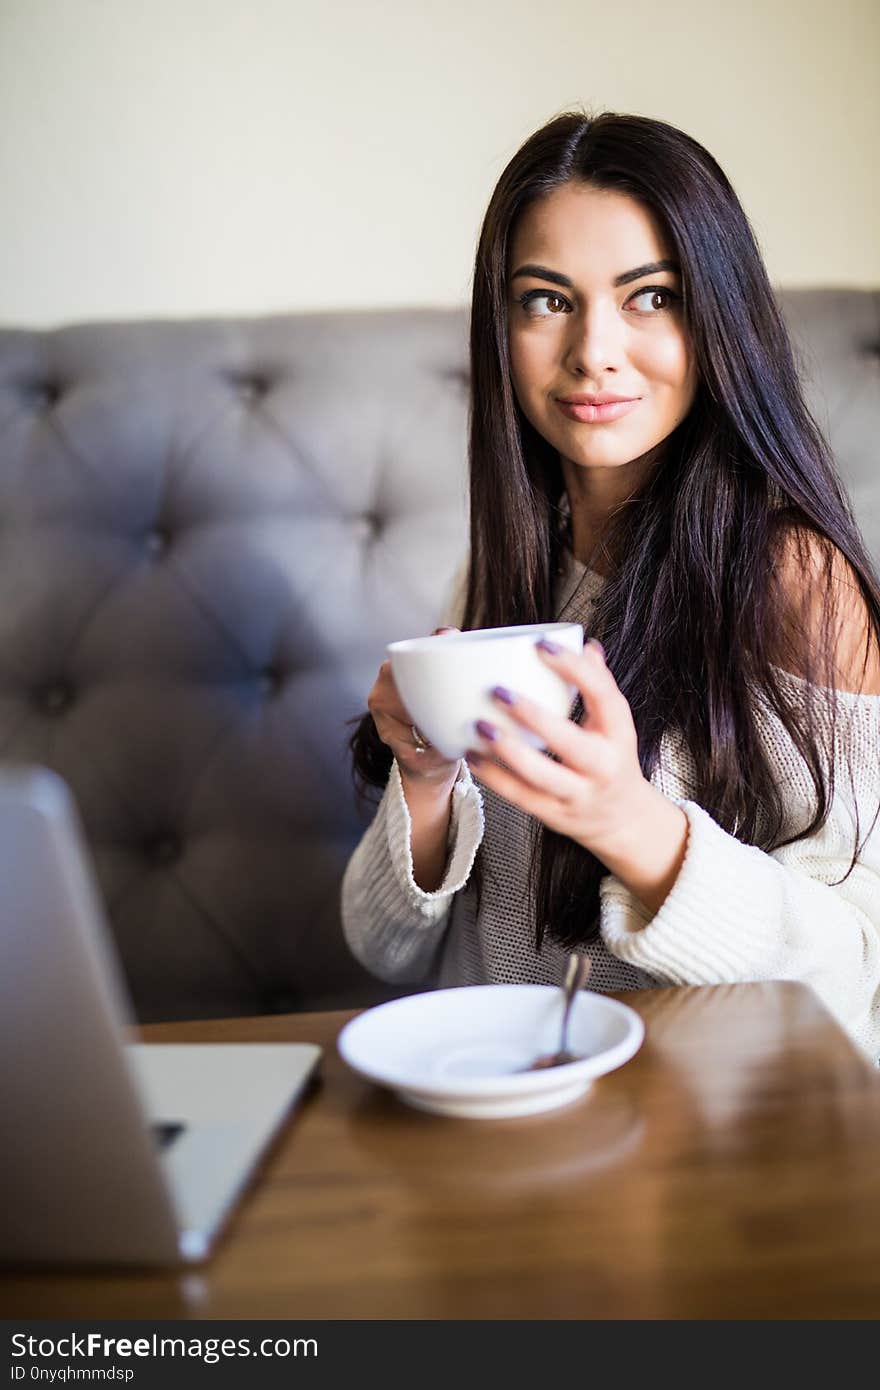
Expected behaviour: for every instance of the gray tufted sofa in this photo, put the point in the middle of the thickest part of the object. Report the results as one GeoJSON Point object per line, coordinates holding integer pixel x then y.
{"type": "Point", "coordinates": [208, 532]}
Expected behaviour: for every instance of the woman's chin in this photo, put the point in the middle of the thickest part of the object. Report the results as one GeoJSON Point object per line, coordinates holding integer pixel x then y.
{"type": "Point", "coordinates": [604, 458]}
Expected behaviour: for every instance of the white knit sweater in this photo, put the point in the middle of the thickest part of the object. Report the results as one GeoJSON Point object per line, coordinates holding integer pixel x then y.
{"type": "Point", "coordinates": [735, 913]}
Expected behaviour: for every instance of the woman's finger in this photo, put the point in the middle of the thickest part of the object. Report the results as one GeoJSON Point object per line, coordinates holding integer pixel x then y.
{"type": "Point", "coordinates": [527, 764]}
{"type": "Point", "coordinates": [576, 746]}
{"type": "Point", "coordinates": [562, 781]}
{"type": "Point", "coordinates": [605, 708]}
{"type": "Point", "coordinates": [542, 805]}
{"type": "Point", "coordinates": [425, 763]}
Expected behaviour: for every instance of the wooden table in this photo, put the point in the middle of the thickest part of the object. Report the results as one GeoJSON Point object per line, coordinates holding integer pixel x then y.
{"type": "Point", "coordinates": [730, 1170]}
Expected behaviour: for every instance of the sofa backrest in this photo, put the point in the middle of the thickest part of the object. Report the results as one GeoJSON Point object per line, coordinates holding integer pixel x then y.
{"type": "Point", "coordinates": [210, 530]}
{"type": "Point", "coordinates": [837, 340]}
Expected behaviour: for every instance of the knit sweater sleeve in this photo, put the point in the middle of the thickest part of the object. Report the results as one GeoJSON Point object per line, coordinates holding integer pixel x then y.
{"type": "Point", "coordinates": [392, 926]}
{"type": "Point", "coordinates": [738, 913]}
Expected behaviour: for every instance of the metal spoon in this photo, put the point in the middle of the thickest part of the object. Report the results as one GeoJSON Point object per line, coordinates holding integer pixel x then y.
{"type": "Point", "coordinates": [575, 978]}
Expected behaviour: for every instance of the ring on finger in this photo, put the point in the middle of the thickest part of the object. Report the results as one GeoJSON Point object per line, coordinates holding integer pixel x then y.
{"type": "Point", "coordinates": [420, 743]}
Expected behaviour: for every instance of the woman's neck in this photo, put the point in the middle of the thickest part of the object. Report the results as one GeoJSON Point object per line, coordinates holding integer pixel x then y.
{"type": "Point", "coordinates": [589, 518]}
{"type": "Point", "coordinates": [595, 495]}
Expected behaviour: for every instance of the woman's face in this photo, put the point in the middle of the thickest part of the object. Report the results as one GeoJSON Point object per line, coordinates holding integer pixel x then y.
{"type": "Point", "coordinates": [595, 312]}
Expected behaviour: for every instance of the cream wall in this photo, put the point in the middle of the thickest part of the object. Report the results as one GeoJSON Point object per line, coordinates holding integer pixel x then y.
{"type": "Point", "coordinates": [213, 156]}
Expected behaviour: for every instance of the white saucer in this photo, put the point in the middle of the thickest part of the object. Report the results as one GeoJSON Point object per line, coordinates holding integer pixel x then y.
{"type": "Point", "coordinates": [462, 1051]}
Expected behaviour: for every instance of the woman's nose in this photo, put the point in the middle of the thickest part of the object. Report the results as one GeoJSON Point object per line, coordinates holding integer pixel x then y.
{"type": "Point", "coordinates": [595, 343]}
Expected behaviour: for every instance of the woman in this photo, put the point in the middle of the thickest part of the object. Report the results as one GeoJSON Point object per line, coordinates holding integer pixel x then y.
{"type": "Point", "coordinates": [642, 462]}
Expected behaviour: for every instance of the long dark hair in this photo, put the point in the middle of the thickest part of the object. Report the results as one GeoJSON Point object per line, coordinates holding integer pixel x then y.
{"type": "Point", "coordinates": [694, 619]}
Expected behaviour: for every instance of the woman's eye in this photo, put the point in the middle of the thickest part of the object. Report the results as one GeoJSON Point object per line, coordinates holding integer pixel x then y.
{"type": "Point", "coordinates": [649, 298]}
{"type": "Point", "coordinates": [542, 304]}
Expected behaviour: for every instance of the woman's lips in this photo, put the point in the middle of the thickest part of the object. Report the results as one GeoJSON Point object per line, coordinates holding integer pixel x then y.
{"type": "Point", "coordinates": [597, 414]}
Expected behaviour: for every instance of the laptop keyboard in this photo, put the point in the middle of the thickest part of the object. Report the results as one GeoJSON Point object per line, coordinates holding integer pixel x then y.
{"type": "Point", "coordinates": [165, 1132]}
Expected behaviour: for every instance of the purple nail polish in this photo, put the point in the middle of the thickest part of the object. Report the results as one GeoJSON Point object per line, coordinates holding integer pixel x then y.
{"type": "Point", "coordinates": [504, 695]}
{"type": "Point", "coordinates": [474, 758]}
{"type": "Point", "coordinates": [486, 730]}
{"type": "Point", "coordinates": [551, 648]}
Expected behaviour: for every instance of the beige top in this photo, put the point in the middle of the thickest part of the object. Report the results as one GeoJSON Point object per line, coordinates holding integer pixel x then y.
{"type": "Point", "coordinates": [734, 913]}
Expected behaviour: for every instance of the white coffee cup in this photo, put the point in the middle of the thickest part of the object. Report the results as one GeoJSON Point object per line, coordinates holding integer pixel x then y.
{"type": "Point", "coordinates": [446, 681]}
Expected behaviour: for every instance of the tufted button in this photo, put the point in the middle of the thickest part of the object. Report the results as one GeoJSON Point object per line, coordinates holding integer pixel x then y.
{"type": "Point", "coordinates": [165, 848]}
{"type": "Point", "coordinates": [157, 541]}
{"type": "Point", "coordinates": [252, 388]}
{"type": "Point", "coordinates": [269, 681]}
{"type": "Point", "coordinates": [55, 699]}
{"type": "Point", "coordinates": [367, 528]}
{"type": "Point", "coordinates": [45, 394]}
{"type": "Point", "coordinates": [459, 376]}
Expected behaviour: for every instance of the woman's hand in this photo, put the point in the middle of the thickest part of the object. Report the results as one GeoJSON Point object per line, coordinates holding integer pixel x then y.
{"type": "Point", "coordinates": [596, 794]}
{"type": "Point", "coordinates": [427, 778]}
{"type": "Point", "coordinates": [394, 725]}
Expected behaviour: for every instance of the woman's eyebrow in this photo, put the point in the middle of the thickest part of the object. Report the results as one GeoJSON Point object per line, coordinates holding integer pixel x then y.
{"type": "Point", "coordinates": [541, 272]}
{"type": "Point", "coordinates": [652, 268]}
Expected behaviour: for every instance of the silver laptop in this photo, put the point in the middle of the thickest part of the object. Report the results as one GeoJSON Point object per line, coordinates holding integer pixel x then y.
{"type": "Point", "coordinates": [111, 1151]}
